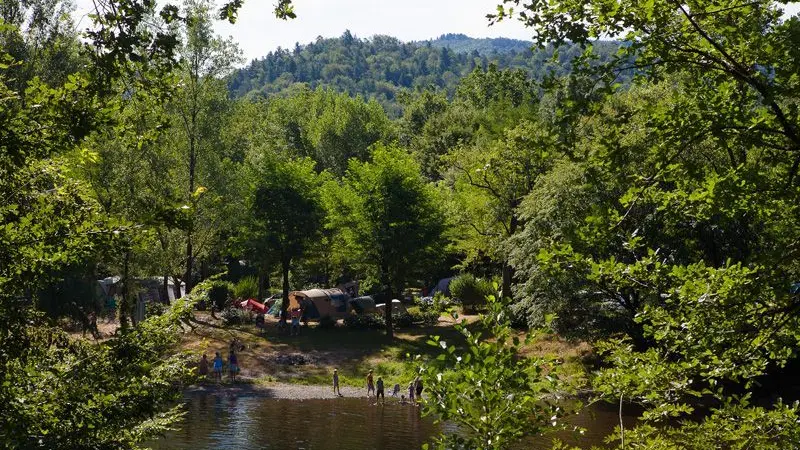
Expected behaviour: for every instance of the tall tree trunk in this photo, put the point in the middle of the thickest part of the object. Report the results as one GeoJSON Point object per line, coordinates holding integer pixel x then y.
{"type": "Point", "coordinates": [285, 263]}
{"type": "Point", "coordinates": [508, 271]}
{"type": "Point", "coordinates": [262, 282]}
{"type": "Point", "coordinates": [176, 287]}
{"type": "Point", "coordinates": [387, 282]}
{"type": "Point", "coordinates": [187, 277]}
{"type": "Point", "coordinates": [124, 304]}
{"type": "Point", "coordinates": [192, 164]}
{"type": "Point", "coordinates": [165, 290]}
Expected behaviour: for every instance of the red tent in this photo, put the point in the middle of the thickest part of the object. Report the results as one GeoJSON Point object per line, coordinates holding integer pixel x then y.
{"type": "Point", "coordinates": [253, 305]}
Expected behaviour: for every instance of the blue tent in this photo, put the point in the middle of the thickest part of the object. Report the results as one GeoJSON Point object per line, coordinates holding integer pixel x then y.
{"type": "Point", "coordinates": [442, 286]}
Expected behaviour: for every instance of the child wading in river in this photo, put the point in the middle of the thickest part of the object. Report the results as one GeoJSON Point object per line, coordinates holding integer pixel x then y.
{"type": "Point", "coordinates": [336, 382]}
{"type": "Point", "coordinates": [380, 391]}
{"type": "Point", "coordinates": [218, 367]}
{"type": "Point", "coordinates": [370, 384]}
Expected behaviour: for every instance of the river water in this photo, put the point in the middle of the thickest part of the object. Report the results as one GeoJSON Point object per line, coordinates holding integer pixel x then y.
{"type": "Point", "coordinates": [223, 421]}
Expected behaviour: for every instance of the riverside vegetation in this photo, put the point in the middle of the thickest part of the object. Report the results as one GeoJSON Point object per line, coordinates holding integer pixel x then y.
{"type": "Point", "coordinates": [642, 197]}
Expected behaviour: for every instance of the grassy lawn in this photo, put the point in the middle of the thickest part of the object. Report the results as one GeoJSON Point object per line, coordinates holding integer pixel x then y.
{"type": "Point", "coordinates": [352, 352]}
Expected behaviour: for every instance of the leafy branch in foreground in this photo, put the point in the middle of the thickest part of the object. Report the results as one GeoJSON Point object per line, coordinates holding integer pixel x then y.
{"type": "Point", "coordinates": [493, 394]}
{"type": "Point", "coordinates": [72, 393]}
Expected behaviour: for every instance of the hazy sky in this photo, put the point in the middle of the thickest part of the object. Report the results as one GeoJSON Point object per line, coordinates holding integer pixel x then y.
{"type": "Point", "coordinates": [258, 31]}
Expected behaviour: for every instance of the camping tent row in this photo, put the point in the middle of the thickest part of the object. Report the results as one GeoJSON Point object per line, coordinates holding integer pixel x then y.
{"type": "Point", "coordinates": [336, 303]}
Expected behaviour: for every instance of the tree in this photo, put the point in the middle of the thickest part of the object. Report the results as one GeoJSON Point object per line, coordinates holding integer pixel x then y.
{"type": "Point", "coordinates": [488, 186]}
{"type": "Point", "coordinates": [286, 209]}
{"type": "Point", "coordinates": [387, 219]}
{"type": "Point", "coordinates": [204, 60]}
{"type": "Point", "coordinates": [692, 222]}
{"type": "Point", "coordinates": [494, 395]}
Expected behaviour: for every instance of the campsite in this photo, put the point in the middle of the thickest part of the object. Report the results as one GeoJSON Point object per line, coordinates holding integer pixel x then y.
{"type": "Point", "coordinates": [460, 224]}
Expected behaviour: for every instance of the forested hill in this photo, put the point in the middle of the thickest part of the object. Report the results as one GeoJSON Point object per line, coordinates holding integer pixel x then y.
{"type": "Point", "coordinates": [462, 43]}
{"type": "Point", "coordinates": [381, 66]}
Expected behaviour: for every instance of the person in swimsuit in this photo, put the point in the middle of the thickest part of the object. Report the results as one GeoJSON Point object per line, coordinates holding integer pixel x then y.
{"type": "Point", "coordinates": [418, 387]}
{"type": "Point", "coordinates": [202, 369]}
{"type": "Point", "coordinates": [296, 313]}
{"type": "Point", "coordinates": [234, 365]}
{"type": "Point", "coordinates": [218, 367]}
{"type": "Point", "coordinates": [370, 384]}
{"type": "Point", "coordinates": [336, 382]}
{"type": "Point", "coordinates": [379, 393]}
{"type": "Point", "coordinates": [411, 389]}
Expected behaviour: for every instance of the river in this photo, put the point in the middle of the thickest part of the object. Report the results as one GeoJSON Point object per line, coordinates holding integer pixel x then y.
{"type": "Point", "coordinates": [250, 421]}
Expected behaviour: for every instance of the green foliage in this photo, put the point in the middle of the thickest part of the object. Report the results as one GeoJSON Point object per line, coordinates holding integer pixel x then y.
{"type": "Point", "coordinates": [364, 322]}
{"type": "Point", "coordinates": [236, 316]}
{"type": "Point", "coordinates": [220, 292]}
{"type": "Point", "coordinates": [386, 218]}
{"type": "Point", "coordinates": [382, 67]}
{"type": "Point", "coordinates": [494, 396]}
{"type": "Point", "coordinates": [470, 290]}
{"type": "Point", "coordinates": [246, 288]}
{"type": "Point", "coordinates": [423, 318]}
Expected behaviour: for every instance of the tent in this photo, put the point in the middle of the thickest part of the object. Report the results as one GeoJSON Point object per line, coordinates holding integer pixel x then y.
{"type": "Point", "coordinates": [252, 305]}
{"type": "Point", "coordinates": [397, 308]}
{"type": "Point", "coordinates": [442, 286]}
{"type": "Point", "coordinates": [275, 309]}
{"type": "Point", "coordinates": [318, 303]}
{"type": "Point", "coordinates": [363, 305]}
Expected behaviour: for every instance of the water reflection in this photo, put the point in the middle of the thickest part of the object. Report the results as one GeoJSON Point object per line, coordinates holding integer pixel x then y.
{"type": "Point", "coordinates": [226, 421]}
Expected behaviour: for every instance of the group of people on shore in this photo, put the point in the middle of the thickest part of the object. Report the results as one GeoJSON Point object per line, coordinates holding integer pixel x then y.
{"type": "Point", "coordinates": [218, 364]}
{"type": "Point", "coordinates": [377, 388]}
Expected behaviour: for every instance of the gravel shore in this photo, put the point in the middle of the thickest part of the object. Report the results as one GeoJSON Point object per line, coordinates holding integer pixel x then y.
{"type": "Point", "coordinates": [278, 390]}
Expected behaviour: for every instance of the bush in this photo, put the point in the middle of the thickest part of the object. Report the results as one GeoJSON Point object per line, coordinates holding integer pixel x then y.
{"type": "Point", "coordinates": [403, 320]}
{"type": "Point", "coordinates": [155, 309]}
{"type": "Point", "coordinates": [470, 290]}
{"type": "Point", "coordinates": [246, 288]}
{"type": "Point", "coordinates": [364, 322]}
{"type": "Point", "coordinates": [423, 318]}
{"type": "Point", "coordinates": [219, 294]}
{"type": "Point", "coordinates": [236, 316]}
{"type": "Point", "coordinates": [327, 322]}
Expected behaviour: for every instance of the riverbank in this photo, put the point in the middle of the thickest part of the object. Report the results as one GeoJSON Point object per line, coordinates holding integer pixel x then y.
{"type": "Point", "coordinates": [268, 357]}
{"type": "Point", "coordinates": [287, 391]}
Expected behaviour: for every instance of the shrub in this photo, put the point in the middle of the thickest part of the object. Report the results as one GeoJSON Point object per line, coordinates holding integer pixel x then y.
{"type": "Point", "coordinates": [364, 322]}
{"type": "Point", "coordinates": [155, 309]}
{"type": "Point", "coordinates": [246, 288]}
{"type": "Point", "coordinates": [236, 316]}
{"type": "Point", "coordinates": [327, 322]}
{"type": "Point", "coordinates": [219, 294]}
{"type": "Point", "coordinates": [424, 318]}
{"type": "Point", "coordinates": [470, 290]}
{"type": "Point", "coordinates": [403, 320]}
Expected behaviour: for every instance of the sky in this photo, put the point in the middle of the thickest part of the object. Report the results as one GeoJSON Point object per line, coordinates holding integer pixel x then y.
{"type": "Point", "coordinates": [258, 32]}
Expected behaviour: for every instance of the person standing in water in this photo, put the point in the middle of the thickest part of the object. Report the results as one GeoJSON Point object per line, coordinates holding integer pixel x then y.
{"type": "Point", "coordinates": [418, 388]}
{"type": "Point", "coordinates": [380, 391]}
{"type": "Point", "coordinates": [218, 367]}
{"type": "Point", "coordinates": [336, 382]}
{"type": "Point", "coordinates": [202, 369]}
{"type": "Point", "coordinates": [233, 365]}
{"type": "Point", "coordinates": [370, 384]}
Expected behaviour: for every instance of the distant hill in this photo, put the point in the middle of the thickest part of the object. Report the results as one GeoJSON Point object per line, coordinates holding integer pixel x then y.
{"type": "Point", "coordinates": [461, 43]}
{"type": "Point", "coordinates": [381, 67]}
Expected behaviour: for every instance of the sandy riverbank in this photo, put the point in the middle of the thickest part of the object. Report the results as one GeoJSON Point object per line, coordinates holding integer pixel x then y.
{"type": "Point", "coordinates": [277, 390]}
